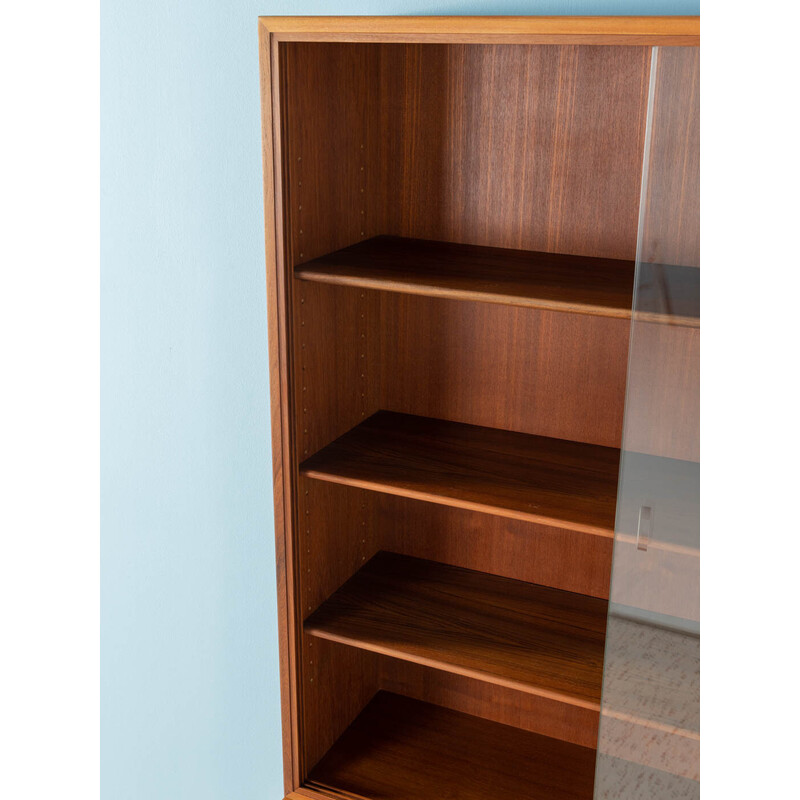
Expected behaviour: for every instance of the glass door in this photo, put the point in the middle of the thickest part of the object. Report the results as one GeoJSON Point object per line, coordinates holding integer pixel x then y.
{"type": "Point", "coordinates": [649, 740]}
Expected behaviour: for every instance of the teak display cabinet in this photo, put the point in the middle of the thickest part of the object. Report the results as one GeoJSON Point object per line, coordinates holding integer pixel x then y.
{"type": "Point", "coordinates": [451, 229]}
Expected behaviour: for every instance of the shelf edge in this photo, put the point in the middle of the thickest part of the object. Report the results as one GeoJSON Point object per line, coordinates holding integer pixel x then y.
{"type": "Point", "coordinates": [444, 500]}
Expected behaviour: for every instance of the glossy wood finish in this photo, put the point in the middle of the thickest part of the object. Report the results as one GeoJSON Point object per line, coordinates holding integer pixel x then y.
{"type": "Point", "coordinates": [492, 701]}
{"type": "Point", "coordinates": [277, 325]}
{"type": "Point", "coordinates": [401, 749]}
{"type": "Point", "coordinates": [574, 284]}
{"type": "Point", "coordinates": [512, 548]}
{"type": "Point", "coordinates": [367, 131]}
{"type": "Point", "coordinates": [471, 154]}
{"type": "Point", "coordinates": [346, 526]}
{"type": "Point", "coordinates": [513, 277]}
{"type": "Point", "coordinates": [531, 148]}
{"type": "Point", "coordinates": [511, 633]}
{"type": "Point", "coordinates": [328, 554]}
{"type": "Point", "coordinates": [321, 121]}
{"type": "Point", "coordinates": [534, 478]}
{"type": "Point", "coordinates": [528, 30]}
{"type": "Point", "coordinates": [521, 369]}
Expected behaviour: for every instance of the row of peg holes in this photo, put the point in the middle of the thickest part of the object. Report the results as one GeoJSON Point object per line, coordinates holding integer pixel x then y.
{"type": "Point", "coordinates": [362, 358]}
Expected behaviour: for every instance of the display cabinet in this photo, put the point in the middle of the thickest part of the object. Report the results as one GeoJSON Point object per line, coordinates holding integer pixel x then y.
{"type": "Point", "coordinates": [481, 238]}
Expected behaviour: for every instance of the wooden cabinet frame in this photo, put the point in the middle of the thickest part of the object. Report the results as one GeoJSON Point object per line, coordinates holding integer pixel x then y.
{"type": "Point", "coordinates": [274, 32]}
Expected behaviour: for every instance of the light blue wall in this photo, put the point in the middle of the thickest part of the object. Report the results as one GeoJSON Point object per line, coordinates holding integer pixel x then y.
{"type": "Point", "coordinates": [189, 661]}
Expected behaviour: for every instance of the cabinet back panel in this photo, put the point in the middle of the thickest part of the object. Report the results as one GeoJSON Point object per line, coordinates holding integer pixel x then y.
{"type": "Point", "coordinates": [529, 147]}
{"type": "Point", "coordinates": [535, 147]}
{"type": "Point", "coordinates": [555, 557]}
{"type": "Point", "coordinates": [498, 703]}
{"type": "Point", "coordinates": [540, 372]}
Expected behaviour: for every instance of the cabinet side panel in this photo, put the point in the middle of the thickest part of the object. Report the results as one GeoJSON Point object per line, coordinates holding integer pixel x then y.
{"type": "Point", "coordinates": [335, 538]}
{"type": "Point", "coordinates": [329, 184]}
{"type": "Point", "coordinates": [333, 171]}
{"type": "Point", "coordinates": [279, 416]}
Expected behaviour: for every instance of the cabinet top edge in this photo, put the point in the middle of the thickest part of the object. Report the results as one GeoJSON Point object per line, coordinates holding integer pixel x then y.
{"type": "Point", "coordinates": [458, 29]}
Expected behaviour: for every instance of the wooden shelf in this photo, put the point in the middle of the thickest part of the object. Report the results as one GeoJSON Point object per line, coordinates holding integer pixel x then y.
{"type": "Point", "coordinates": [539, 640]}
{"type": "Point", "coordinates": [534, 478]}
{"type": "Point", "coordinates": [578, 284]}
{"type": "Point", "coordinates": [552, 281]}
{"type": "Point", "coordinates": [404, 749]}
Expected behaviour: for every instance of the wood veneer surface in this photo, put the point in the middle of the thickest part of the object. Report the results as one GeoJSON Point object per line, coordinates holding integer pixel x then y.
{"type": "Point", "coordinates": [596, 286]}
{"type": "Point", "coordinates": [532, 148]}
{"type": "Point", "coordinates": [324, 134]}
{"type": "Point", "coordinates": [520, 369]}
{"type": "Point", "coordinates": [325, 113]}
{"type": "Point", "coordinates": [513, 548]}
{"type": "Point", "coordinates": [403, 749]}
{"type": "Point", "coordinates": [491, 701]}
{"type": "Point", "coordinates": [565, 484]}
{"type": "Point", "coordinates": [540, 640]}
{"type": "Point", "coordinates": [491, 274]}
{"type": "Point", "coordinates": [684, 30]}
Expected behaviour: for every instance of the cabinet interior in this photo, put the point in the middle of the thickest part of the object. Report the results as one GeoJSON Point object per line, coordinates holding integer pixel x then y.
{"type": "Point", "coordinates": [489, 195]}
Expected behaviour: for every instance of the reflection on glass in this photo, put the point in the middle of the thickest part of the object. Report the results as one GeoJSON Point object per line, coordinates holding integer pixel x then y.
{"type": "Point", "coordinates": [649, 744]}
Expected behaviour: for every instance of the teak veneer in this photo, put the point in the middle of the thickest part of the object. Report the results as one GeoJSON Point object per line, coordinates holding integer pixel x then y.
{"type": "Point", "coordinates": [600, 287]}
{"type": "Point", "coordinates": [402, 749]}
{"type": "Point", "coordinates": [603, 287]}
{"type": "Point", "coordinates": [451, 217]}
{"type": "Point", "coordinates": [539, 640]}
{"type": "Point", "coordinates": [535, 478]}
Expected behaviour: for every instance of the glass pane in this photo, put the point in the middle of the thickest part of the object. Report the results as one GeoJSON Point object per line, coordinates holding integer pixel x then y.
{"type": "Point", "coordinates": [649, 743]}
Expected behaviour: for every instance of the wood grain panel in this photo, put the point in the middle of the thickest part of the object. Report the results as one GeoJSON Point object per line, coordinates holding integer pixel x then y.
{"type": "Point", "coordinates": [532, 148]}
{"type": "Point", "coordinates": [622, 30]}
{"type": "Point", "coordinates": [401, 749]}
{"type": "Point", "coordinates": [539, 640]}
{"type": "Point", "coordinates": [338, 682]}
{"type": "Point", "coordinates": [337, 547]}
{"type": "Point", "coordinates": [335, 535]}
{"type": "Point", "coordinates": [540, 372]}
{"type": "Point", "coordinates": [337, 377]}
{"type": "Point", "coordinates": [594, 286]}
{"type": "Point", "coordinates": [327, 132]}
{"type": "Point", "coordinates": [536, 148]}
{"type": "Point", "coordinates": [563, 484]}
{"type": "Point", "coordinates": [528, 712]}
{"type": "Point", "coordinates": [513, 548]}
{"type": "Point", "coordinates": [601, 287]}
{"type": "Point", "coordinates": [331, 141]}
{"type": "Point", "coordinates": [272, 118]}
